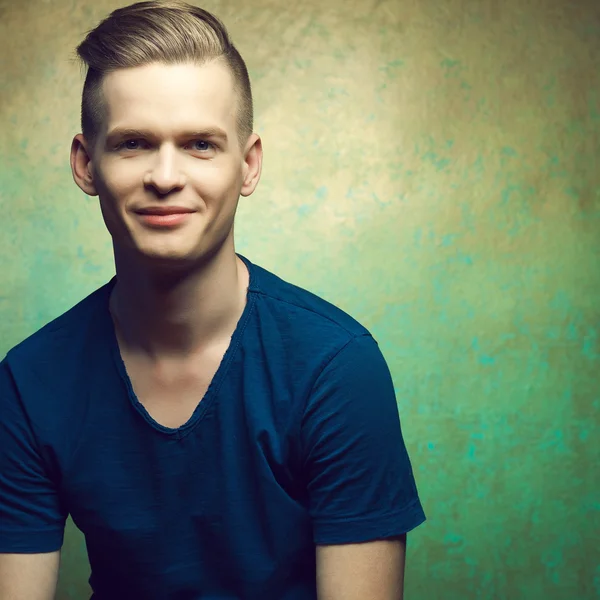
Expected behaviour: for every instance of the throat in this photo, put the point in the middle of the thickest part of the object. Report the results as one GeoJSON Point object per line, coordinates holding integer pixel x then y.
{"type": "Point", "coordinates": [182, 321]}
{"type": "Point", "coordinates": [172, 343]}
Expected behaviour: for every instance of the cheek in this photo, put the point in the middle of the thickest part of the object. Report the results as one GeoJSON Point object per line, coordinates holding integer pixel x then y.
{"type": "Point", "coordinates": [223, 179]}
{"type": "Point", "coordinates": [217, 187]}
{"type": "Point", "coordinates": [118, 182]}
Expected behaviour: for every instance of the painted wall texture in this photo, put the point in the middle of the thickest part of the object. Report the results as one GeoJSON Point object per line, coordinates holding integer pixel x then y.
{"type": "Point", "coordinates": [431, 166]}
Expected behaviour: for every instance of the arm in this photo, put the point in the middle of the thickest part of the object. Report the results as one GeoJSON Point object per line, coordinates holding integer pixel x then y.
{"type": "Point", "coordinates": [29, 576]}
{"type": "Point", "coordinates": [362, 494]}
{"type": "Point", "coordinates": [373, 570]}
{"type": "Point", "coordinates": [32, 519]}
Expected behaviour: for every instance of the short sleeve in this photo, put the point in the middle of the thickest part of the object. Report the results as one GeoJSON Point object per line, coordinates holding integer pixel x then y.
{"type": "Point", "coordinates": [359, 476]}
{"type": "Point", "coordinates": [31, 518]}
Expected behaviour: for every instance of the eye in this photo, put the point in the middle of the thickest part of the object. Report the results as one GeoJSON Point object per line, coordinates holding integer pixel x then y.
{"type": "Point", "coordinates": [130, 145]}
{"type": "Point", "coordinates": [202, 145]}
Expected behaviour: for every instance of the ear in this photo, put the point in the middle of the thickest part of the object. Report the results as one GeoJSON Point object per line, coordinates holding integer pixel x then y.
{"type": "Point", "coordinates": [253, 155]}
{"type": "Point", "coordinates": [81, 165]}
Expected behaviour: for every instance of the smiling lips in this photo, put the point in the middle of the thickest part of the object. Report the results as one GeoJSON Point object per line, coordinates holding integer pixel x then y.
{"type": "Point", "coordinates": [164, 216]}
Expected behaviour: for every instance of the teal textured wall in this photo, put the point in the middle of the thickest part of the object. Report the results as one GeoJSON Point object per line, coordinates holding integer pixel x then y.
{"type": "Point", "coordinates": [433, 168]}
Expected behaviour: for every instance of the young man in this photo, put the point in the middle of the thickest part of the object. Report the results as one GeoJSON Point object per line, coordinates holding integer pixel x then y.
{"type": "Point", "coordinates": [214, 431]}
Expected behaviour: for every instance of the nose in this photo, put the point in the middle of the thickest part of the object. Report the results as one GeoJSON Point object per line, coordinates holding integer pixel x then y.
{"type": "Point", "coordinates": [165, 174]}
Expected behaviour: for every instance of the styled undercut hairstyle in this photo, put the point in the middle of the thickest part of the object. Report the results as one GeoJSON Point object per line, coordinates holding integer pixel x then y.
{"type": "Point", "coordinates": [158, 31]}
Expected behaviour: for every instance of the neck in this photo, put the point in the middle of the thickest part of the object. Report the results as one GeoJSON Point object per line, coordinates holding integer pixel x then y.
{"type": "Point", "coordinates": [163, 314]}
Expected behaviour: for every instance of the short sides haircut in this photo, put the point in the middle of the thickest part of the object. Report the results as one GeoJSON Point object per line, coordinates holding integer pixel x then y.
{"type": "Point", "coordinates": [158, 31]}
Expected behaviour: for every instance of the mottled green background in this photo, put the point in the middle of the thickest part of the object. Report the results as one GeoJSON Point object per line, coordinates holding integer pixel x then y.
{"type": "Point", "coordinates": [431, 167]}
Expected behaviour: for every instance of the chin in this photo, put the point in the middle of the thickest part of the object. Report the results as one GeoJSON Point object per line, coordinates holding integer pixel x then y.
{"type": "Point", "coordinates": [169, 257]}
{"type": "Point", "coordinates": [160, 254]}
{"type": "Point", "coordinates": [174, 251]}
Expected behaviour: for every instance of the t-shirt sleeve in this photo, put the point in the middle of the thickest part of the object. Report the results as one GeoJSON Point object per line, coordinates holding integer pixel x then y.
{"type": "Point", "coordinates": [31, 517]}
{"type": "Point", "coordinates": [359, 477]}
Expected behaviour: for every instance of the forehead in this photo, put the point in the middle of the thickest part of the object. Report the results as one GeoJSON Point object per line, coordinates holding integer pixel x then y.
{"type": "Point", "coordinates": [166, 98]}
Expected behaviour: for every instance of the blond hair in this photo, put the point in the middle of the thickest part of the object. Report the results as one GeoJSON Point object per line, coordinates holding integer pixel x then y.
{"type": "Point", "coordinates": [164, 31]}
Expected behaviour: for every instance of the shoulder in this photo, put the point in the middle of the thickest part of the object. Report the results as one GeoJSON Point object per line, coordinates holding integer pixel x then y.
{"type": "Point", "coordinates": [62, 339]}
{"type": "Point", "coordinates": [300, 312]}
{"type": "Point", "coordinates": [44, 379]}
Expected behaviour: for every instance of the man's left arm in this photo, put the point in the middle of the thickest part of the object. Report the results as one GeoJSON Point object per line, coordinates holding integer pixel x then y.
{"type": "Point", "coordinates": [373, 570]}
{"type": "Point", "coordinates": [361, 490]}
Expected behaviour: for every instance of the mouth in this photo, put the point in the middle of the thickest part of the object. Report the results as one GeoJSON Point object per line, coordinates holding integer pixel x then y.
{"type": "Point", "coordinates": [160, 217]}
{"type": "Point", "coordinates": [164, 210]}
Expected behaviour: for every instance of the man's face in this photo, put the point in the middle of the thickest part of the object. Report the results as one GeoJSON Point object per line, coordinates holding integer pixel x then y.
{"type": "Point", "coordinates": [168, 166]}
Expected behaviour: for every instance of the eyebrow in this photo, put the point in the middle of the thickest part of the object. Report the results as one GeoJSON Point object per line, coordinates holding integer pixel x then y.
{"type": "Point", "coordinates": [120, 133]}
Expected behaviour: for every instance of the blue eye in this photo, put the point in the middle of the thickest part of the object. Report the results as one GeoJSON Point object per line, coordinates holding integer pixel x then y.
{"type": "Point", "coordinates": [129, 145]}
{"type": "Point", "coordinates": [202, 145]}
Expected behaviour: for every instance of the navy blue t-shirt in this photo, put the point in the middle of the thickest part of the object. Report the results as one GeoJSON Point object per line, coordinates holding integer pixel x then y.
{"type": "Point", "coordinates": [297, 442]}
